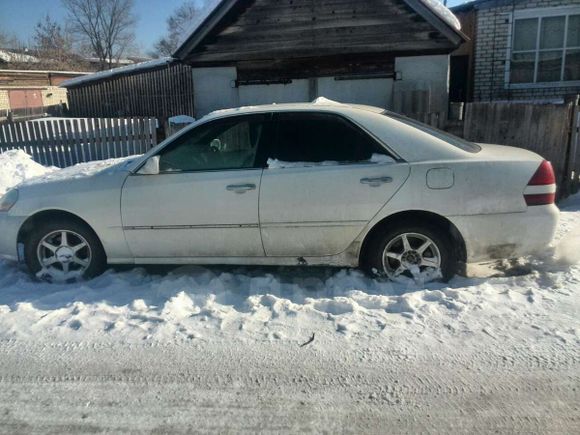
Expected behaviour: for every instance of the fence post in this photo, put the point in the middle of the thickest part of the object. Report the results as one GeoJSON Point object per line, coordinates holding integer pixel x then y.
{"type": "Point", "coordinates": [572, 158]}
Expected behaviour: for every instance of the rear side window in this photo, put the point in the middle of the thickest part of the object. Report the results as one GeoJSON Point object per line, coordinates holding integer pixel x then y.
{"type": "Point", "coordinates": [319, 137]}
{"type": "Point", "coordinates": [439, 134]}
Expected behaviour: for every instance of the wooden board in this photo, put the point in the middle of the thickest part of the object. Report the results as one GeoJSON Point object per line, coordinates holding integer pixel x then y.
{"type": "Point", "coordinates": [267, 29]}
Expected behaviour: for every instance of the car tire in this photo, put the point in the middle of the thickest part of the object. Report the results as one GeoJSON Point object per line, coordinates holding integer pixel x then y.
{"type": "Point", "coordinates": [78, 255]}
{"type": "Point", "coordinates": [376, 261]}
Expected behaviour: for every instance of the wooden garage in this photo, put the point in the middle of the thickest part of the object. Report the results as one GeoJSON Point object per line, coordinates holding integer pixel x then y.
{"type": "Point", "coordinates": [381, 52]}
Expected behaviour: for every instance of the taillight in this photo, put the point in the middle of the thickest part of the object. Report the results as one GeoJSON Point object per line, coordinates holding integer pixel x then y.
{"type": "Point", "coordinates": [544, 175]}
{"type": "Point", "coordinates": [540, 199]}
{"type": "Point", "coordinates": [541, 189]}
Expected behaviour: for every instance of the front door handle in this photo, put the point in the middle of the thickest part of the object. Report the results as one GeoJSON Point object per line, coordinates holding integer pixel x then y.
{"type": "Point", "coordinates": [376, 181]}
{"type": "Point", "coordinates": [240, 188]}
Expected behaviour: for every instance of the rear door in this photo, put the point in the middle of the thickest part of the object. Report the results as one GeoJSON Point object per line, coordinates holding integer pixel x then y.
{"type": "Point", "coordinates": [325, 179]}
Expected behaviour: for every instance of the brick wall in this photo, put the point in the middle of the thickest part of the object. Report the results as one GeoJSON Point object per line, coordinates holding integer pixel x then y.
{"type": "Point", "coordinates": [4, 102]}
{"type": "Point", "coordinates": [53, 95]}
{"type": "Point", "coordinates": [491, 49]}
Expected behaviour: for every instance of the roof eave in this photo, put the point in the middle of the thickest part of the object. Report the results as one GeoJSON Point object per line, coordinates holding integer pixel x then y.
{"type": "Point", "coordinates": [457, 37]}
{"type": "Point", "coordinates": [204, 28]}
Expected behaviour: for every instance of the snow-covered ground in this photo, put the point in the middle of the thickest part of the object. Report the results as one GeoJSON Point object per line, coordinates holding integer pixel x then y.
{"type": "Point", "coordinates": [222, 349]}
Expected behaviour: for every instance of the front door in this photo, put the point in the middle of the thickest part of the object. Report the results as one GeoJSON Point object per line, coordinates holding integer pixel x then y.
{"type": "Point", "coordinates": [325, 180]}
{"type": "Point", "coordinates": [204, 201]}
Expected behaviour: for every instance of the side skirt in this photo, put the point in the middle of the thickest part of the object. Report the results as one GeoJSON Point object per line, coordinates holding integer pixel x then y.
{"type": "Point", "coordinates": [341, 260]}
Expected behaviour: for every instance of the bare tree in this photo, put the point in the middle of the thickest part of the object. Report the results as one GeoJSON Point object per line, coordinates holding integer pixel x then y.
{"type": "Point", "coordinates": [178, 23]}
{"type": "Point", "coordinates": [8, 40]}
{"type": "Point", "coordinates": [53, 44]}
{"type": "Point", "coordinates": [107, 26]}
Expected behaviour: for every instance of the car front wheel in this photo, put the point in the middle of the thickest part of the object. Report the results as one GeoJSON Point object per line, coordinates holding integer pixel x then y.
{"type": "Point", "coordinates": [64, 251]}
{"type": "Point", "coordinates": [412, 252]}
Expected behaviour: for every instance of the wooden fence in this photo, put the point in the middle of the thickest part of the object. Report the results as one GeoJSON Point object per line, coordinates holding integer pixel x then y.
{"type": "Point", "coordinates": [159, 93]}
{"type": "Point", "coordinates": [547, 129]}
{"type": "Point", "coordinates": [65, 142]}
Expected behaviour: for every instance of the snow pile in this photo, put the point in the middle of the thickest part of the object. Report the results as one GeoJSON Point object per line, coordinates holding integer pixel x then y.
{"type": "Point", "coordinates": [16, 166]}
{"type": "Point", "coordinates": [79, 170]}
{"type": "Point", "coordinates": [279, 164]}
{"type": "Point", "coordinates": [286, 304]}
{"type": "Point", "coordinates": [181, 119]}
{"type": "Point", "coordinates": [381, 159]}
{"type": "Point", "coordinates": [443, 12]}
{"type": "Point", "coordinates": [323, 101]}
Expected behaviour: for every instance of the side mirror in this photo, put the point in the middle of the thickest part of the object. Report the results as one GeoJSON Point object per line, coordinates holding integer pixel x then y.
{"type": "Point", "coordinates": [151, 167]}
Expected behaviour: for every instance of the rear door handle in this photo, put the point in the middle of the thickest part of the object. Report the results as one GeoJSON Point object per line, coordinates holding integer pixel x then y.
{"type": "Point", "coordinates": [240, 188]}
{"type": "Point", "coordinates": [376, 181]}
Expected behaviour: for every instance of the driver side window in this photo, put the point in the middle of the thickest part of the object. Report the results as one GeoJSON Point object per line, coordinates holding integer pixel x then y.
{"type": "Point", "coordinates": [230, 143]}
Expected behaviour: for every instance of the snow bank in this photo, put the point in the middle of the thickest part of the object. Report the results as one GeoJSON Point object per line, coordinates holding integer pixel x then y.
{"type": "Point", "coordinates": [16, 167]}
{"type": "Point", "coordinates": [80, 170]}
{"type": "Point", "coordinates": [278, 164]}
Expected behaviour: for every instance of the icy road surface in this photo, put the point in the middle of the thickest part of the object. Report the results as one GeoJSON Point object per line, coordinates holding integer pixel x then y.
{"type": "Point", "coordinates": [222, 349]}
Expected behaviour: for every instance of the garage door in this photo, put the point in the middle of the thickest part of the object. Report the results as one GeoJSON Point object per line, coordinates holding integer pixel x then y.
{"type": "Point", "coordinates": [294, 92]}
{"type": "Point", "coordinates": [25, 98]}
{"type": "Point", "coordinates": [374, 92]}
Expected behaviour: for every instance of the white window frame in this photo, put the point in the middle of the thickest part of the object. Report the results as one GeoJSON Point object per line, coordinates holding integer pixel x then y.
{"type": "Point", "coordinates": [539, 13]}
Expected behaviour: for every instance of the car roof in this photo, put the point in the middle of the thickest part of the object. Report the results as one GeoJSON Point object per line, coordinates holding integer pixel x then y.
{"type": "Point", "coordinates": [320, 104]}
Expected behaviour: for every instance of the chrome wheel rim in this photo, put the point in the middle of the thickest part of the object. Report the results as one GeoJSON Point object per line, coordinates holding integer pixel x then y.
{"type": "Point", "coordinates": [412, 255]}
{"type": "Point", "coordinates": [63, 256]}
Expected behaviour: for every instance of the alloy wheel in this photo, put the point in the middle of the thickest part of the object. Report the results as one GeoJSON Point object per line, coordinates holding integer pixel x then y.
{"type": "Point", "coordinates": [411, 255]}
{"type": "Point", "coordinates": [63, 255]}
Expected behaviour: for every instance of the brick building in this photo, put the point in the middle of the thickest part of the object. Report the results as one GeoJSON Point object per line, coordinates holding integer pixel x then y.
{"type": "Point", "coordinates": [522, 50]}
{"type": "Point", "coordinates": [31, 92]}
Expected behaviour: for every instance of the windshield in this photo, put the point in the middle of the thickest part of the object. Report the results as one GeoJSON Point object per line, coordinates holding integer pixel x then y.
{"type": "Point", "coordinates": [439, 134]}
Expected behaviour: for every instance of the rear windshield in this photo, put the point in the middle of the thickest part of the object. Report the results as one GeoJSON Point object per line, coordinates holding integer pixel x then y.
{"type": "Point", "coordinates": [439, 134]}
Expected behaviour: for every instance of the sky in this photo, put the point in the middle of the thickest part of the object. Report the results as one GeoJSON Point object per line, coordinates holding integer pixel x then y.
{"type": "Point", "coordinates": [19, 17]}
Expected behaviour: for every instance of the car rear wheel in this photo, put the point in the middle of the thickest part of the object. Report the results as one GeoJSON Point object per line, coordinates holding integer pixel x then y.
{"type": "Point", "coordinates": [64, 251]}
{"type": "Point", "coordinates": [417, 252]}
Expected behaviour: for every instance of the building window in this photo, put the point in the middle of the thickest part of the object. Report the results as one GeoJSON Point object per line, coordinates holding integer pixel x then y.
{"type": "Point", "coordinates": [545, 47]}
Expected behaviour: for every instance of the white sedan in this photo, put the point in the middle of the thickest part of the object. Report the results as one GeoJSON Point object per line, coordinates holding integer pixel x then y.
{"type": "Point", "coordinates": [301, 184]}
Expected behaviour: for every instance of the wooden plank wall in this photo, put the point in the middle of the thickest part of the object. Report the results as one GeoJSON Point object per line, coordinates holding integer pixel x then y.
{"type": "Point", "coordinates": [542, 128]}
{"type": "Point", "coordinates": [67, 141]}
{"type": "Point", "coordinates": [158, 94]}
{"type": "Point", "coordinates": [574, 162]}
{"type": "Point", "coordinates": [272, 29]}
